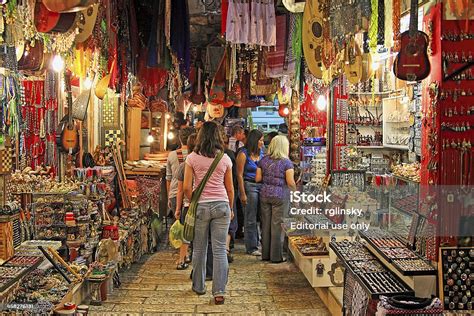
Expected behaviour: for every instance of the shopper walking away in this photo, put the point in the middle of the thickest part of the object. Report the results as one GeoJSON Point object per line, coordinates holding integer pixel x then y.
{"type": "Point", "coordinates": [182, 205]}
{"type": "Point", "coordinates": [175, 158]}
{"type": "Point", "coordinates": [276, 173]}
{"type": "Point", "coordinates": [234, 223]}
{"type": "Point", "coordinates": [247, 161]}
{"type": "Point", "coordinates": [237, 139]}
{"type": "Point", "coordinates": [213, 212]}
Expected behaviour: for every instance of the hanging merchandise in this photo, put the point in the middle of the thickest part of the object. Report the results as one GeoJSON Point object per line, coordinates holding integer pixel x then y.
{"type": "Point", "coordinates": [412, 62]}
{"type": "Point", "coordinates": [313, 37]}
{"type": "Point", "coordinates": [278, 58]}
{"type": "Point", "coordinates": [87, 21]}
{"type": "Point", "coordinates": [388, 25]}
{"type": "Point", "coordinates": [396, 6]}
{"type": "Point", "coordinates": [180, 37]}
{"type": "Point", "coordinates": [295, 6]}
{"type": "Point", "coordinates": [353, 66]}
{"type": "Point", "coordinates": [67, 6]}
{"type": "Point", "coordinates": [103, 85]}
{"type": "Point", "coordinates": [262, 23]}
{"type": "Point", "coordinates": [35, 59]}
{"type": "Point", "coordinates": [197, 96]}
{"type": "Point", "coordinates": [47, 21]}
{"type": "Point", "coordinates": [260, 84]}
{"type": "Point", "coordinates": [251, 22]}
{"type": "Point", "coordinates": [381, 23]}
{"type": "Point", "coordinates": [217, 90]}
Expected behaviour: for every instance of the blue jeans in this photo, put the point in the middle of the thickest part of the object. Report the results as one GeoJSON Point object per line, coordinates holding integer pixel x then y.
{"type": "Point", "coordinates": [213, 217]}
{"type": "Point", "coordinates": [252, 190]}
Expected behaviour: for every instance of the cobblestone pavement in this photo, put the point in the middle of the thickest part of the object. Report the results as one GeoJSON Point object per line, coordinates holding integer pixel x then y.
{"type": "Point", "coordinates": [155, 287]}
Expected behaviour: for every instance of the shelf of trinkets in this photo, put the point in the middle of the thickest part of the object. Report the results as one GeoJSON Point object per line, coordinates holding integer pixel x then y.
{"type": "Point", "coordinates": [456, 278]}
{"type": "Point", "coordinates": [392, 250]}
{"type": "Point", "coordinates": [375, 278]}
{"type": "Point", "coordinates": [422, 279]}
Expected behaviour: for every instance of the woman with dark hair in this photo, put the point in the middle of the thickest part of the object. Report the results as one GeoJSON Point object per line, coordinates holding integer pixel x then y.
{"type": "Point", "coordinates": [249, 189]}
{"type": "Point", "coordinates": [214, 211]}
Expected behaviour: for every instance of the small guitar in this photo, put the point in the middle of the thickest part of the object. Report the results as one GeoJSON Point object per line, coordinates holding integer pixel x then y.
{"type": "Point", "coordinates": [412, 62]}
{"type": "Point", "coordinates": [198, 96]}
{"type": "Point", "coordinates": [69, 135]}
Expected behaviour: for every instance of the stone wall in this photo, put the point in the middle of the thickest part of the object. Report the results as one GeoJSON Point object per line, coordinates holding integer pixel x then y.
{"type": "Point", "coordinates": [205, 21]}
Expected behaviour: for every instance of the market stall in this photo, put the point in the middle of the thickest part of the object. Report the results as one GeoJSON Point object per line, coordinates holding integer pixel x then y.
{"type": "Point", "coordinates": [373, 95]}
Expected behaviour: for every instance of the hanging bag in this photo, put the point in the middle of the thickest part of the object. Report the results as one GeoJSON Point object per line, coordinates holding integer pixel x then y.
{"type": "Point", "coordinates": [189, 222]}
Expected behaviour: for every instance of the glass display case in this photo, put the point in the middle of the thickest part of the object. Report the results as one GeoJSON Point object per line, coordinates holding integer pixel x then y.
{"type": "Point", "coordinates": [403, 207]}
{"type": "Point", "coordinates": [313, 161]}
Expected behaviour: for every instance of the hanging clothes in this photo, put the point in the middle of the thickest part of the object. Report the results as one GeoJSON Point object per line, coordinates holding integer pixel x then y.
{"type": "Point", "coordinates": [180, 34]}
{"type": "Point", "coordinates": [238, 22]}
{"type": "Point", "coordinates": [251, 22]}
{"type": "Point", "coordinates": [263, 23]}
{"type": "Point", "coordinates": [276, 58]}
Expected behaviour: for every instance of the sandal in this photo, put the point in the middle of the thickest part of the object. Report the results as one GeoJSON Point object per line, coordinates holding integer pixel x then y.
{"type": "Point", "coordinates": [182, 266]}
{"type": "Point", "coordinates": [219, 300]}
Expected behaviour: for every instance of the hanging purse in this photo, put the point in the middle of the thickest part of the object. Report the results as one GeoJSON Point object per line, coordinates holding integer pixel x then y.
{"type": "Point", "coordinates": [189, 222]}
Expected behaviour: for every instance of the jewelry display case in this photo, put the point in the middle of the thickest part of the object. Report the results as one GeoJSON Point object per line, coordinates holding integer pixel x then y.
{"type": "Point", "coordinates": [403, 206]}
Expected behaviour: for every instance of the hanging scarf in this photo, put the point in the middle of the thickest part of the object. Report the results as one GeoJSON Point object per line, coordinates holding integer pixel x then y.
{"type": "Point", "coordinates": [381, 22]}
{"type": "Point", "coordinates": [396, 25]}
{"type": "Point", "coordinates": [388, 24]}
{"type": "Point", "coordinates": [298, 47]}
{"type": "Point", "coordinates": [180, 34]}
{"type": "Point", "coordinates": [374, 27]}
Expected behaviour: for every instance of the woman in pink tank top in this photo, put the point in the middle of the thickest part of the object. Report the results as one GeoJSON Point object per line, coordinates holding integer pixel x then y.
{"type": "Point", "coordinates": [214, 210]}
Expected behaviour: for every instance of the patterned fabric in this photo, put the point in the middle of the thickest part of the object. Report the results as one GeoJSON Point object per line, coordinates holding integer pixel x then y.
{"type": "Point", "coordinates": [276, 57]}
{"type": "Point", "coordinates": [111, 137]}
{"type": "Point", "coordinates": [384, 308]}
{"type": "Point", "coordinates": [355, 299]}
{"type": "Point", "coordinates": [263, 23]}
{"type": "Point", "coordinates": [274, 180]}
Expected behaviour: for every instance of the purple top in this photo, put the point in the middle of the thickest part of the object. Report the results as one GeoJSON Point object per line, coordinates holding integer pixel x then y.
{"type": "Point", "coordinates": [274, 180]}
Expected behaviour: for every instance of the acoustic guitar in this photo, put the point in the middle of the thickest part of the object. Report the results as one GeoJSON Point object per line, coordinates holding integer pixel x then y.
{"type": "Point", "coordinates": [47, 21]}
{"type": "Point", "coordinates": [313, 37]}
{"type": "Point", "coordinates": [353, 66]}
{"type": "Point", "coordinates": [412, 62]}
{"type": "Point", "coordinates": [62, 6]}
{"type": "Point", "coordinates": [69, 135]}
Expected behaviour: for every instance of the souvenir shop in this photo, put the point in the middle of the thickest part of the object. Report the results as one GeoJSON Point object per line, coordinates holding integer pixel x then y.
{"type": "Point", "coordinates": [375, 94]}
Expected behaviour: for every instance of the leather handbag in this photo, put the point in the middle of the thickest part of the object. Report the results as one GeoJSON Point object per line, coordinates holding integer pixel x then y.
{"type": "Point", "coordinates": [190, 219]}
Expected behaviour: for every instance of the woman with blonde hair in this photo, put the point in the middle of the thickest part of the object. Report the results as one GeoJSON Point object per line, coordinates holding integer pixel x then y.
{"type": "Point", "coordinates": [276, 173]}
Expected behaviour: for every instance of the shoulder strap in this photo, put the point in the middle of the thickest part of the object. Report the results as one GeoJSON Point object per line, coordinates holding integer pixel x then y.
{"type": "Point", "coordinates": [200, 188]}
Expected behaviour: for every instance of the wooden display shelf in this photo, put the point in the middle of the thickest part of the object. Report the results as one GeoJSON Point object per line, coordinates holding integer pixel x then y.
{"type": "Point", "coordinates": [332, 297]}
{"type": "Point", "coordinates": [307, 265]}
